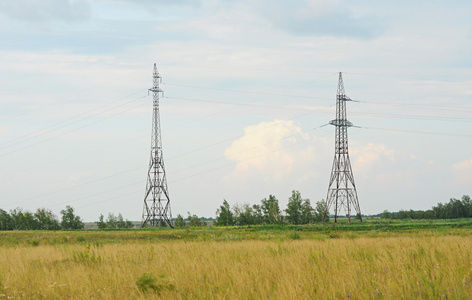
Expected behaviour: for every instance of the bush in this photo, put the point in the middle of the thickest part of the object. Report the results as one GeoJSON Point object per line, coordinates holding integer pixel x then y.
{"type": "Point", "coordinates": [146, 281]}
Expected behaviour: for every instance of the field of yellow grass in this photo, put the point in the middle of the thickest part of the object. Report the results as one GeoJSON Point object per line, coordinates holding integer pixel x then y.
{"type": "Point", "coordinates": [423, 265]}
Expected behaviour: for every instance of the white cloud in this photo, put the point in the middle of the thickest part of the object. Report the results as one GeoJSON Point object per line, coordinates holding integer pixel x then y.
{"type": "Point", "coordinates": [462, 173]}
{"type": "Point", "coordinates": [370, 154]}
{"type": "Point", "coordinates": [264, 149]}
{"type": "Point", "coordinates": [463, 165]}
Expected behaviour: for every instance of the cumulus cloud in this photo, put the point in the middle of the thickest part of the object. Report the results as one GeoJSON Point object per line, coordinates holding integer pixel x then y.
{"type": "Point", "coordinates": [462, 172]}
{"type": "Point", "coordinates": [371, 153]}
{"type": "Point", "coordinates": [266, 149]}
{"type": "Point", "coordinates": [375, 162]}
{"type": "Point", "coordinates": [463, 165]}
{"type": "Point", "coordinates": [46, 10]}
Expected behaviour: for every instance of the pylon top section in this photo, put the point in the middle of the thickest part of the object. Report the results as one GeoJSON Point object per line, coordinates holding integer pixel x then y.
{"type": "Point", "coordinates": [156, 80]}
{"type": "Point", "coordinates": [340, 84]}
{"type": "Point", "coordinates": [341, 98]}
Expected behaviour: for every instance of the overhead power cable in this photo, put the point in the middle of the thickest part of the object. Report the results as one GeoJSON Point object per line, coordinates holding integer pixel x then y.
{"type": "Point", "coordinates": [56, 160]}
{"type": "Point", "coordinates": [54, 127]}
{"type": "Point", "coordinates": [99, 193]}
{"type": "Point", "coordinates": [246, 92]}
{"type": "Point", "coordinates": [247, 149]}
{"type": "Point", "coordinates": [419, 132]}
{"type": "Point", "coordinates": [409, 75]}
{"type": "Point", "coordinates": [72, 130]}
{"type": "Point", "coordinates": [131, 170]}
{"type": "Point", "coordinates": [247, 104]}
{"type": "Point", "coordinates": [413, 117]}
{"type": "Point", "coordinates": [244, 160]}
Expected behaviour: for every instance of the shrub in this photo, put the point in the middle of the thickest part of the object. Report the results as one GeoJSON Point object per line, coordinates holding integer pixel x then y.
{"type": "Point", "coordinates": [147, 281]}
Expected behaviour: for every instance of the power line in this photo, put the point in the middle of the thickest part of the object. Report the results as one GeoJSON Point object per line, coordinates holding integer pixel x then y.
{"type": "Point", "coordinates": [245, 104]}
{"type": "Point", "coordinates": [73, 187]}
{"type": "Point", "coordinates": [249, 103]}
{"type": "Point", "coordinates": [419, 132]}
{"type": "Point", "coordinates": [244, 91]}
{"type": "Point", "coordinates": [413, 117]}
{"type": "Point", "coordinates": [247, 149]}
{"type": "Point", "coordinates": [143, 166]}
{"type": "Point", "coordinates": [27, 136]}
{"type": "Point", "coordinates": [397, 75]}
{"type": "Point", "coordinates": [72, 130]}
{"type": "Point", "coordinates": [235, 163]}
{"type": "Point", "coordinates": [454, 108]}
{"type": "Point", "coordinates": [68, 158]}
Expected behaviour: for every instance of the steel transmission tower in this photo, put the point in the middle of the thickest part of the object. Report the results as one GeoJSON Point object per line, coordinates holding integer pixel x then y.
{"type": "Point", "coordinates": [342, 189]}
{"type": "Point", "coordinates": [156, 210]}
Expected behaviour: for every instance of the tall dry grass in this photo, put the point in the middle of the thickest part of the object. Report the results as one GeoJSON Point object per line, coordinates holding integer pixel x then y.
{"type": "Point", "coordinates": [425, 267]}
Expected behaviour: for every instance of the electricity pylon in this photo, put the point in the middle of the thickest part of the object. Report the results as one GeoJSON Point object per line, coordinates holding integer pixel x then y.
{"type": "Point", "coordinates": [342, 189]}
{"type": "Point", "coordinates": [156, 211]}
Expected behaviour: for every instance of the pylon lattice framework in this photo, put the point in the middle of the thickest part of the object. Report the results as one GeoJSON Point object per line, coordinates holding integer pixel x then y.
{"type": "Point", "coordinates": [342, 191]}
{"type": "Point", "coordinates": [156, 210]}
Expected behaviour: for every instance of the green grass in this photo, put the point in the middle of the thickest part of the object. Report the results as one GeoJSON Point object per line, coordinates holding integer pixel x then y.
{"type": "Point", "coordinates": [373, 227]}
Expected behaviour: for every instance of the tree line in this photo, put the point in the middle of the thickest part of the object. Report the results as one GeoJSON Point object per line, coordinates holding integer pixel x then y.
{"type": "Point", "coordinates": [298, 211]}
{"type": "Point", "coordinates": [454, 209]}
{"type": "Point", "coordinates": [45, 219]}
{"type": "Point", "coordinates": [113, 222]}
{"type": "Point", "coordinates": [41, 219]}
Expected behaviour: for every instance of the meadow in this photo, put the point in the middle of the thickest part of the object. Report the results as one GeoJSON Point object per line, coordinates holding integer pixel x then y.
{"type": "Point", "coordinates": [372, 260]}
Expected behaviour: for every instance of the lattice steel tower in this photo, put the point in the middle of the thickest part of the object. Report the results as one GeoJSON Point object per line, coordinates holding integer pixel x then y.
{"type": "Point", "coordinates": [342, 189]}
{"type": "Point", "coordinates": [156, 211]}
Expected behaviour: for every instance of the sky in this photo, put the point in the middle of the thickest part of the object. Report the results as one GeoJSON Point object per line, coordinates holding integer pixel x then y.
{"type": "Point", "coordinates": [249, 87]}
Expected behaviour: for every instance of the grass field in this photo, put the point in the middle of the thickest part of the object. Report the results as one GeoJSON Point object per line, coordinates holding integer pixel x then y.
{"type": "Point", "coordinates": [424, 260]}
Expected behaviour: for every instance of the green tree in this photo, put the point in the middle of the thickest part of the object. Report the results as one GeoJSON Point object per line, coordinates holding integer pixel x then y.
{"type": "Point", "coordinates": [439, 211]}
{"type": "Point", "coordinates": [23, 220]}
{"type": "Point", "coordinates": [257, 215]}
{"type": "Point", "coordinates": [429, 214]}
{"type": "Point", "coordinates": [195, 221]}
{"type": "Point", "coordinates": [386, 215]}
{"type": "Point", "coordinates": [128, 224]}
{"type": "Point", "coordinates": [179, 222]}
{"type": "Point", "coordinates": [101, 223]}
{"type": "Point", "coordinates": [402, 214]}
{"type": "Point", "coordinates": [307, 212]}
{"type": "Point", "coordinates": [46, 220]}
{"type": "Point", "coordinates": [457, 209]}
{"type": "Point", "coordinates": [112, 221]}
{"type": "Point", "coordinates": [243, 214]}
{"type": "Point", "coordinates": [271, 210]}
{"type": "Point", "coordinates": [6, 221]}
{"type": "Point", "coordinates": [120, 223]}
{"type": "Point", "coordinates": [294, 208]}
{"type": "Point", "coordinates": [224, 215]}
{"type": "Point", "coordinates": [70, 220]}
{"type": "Point", "coordinates": [467, 203]}
{"type": "Point", "coordinates": [321, 213]}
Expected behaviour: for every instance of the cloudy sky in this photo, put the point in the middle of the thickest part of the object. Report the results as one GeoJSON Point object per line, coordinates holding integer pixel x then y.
{"type": "Point", "coordinates": [248, 86]}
